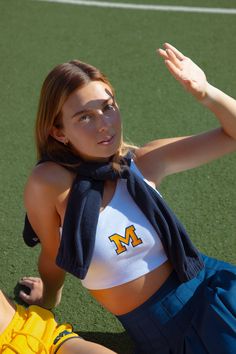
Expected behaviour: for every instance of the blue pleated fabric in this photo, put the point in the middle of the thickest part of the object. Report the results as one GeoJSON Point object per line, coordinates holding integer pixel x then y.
{"type": "Point", "coordinates": [195, 317]}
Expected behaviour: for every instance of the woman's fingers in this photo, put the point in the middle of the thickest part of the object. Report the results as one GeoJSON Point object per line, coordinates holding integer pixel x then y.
{"type": "Point", "coordinates": [169, 54]}
{"type": "Point", "coordinates": [30, 282]}
{"type": "Point", "coordinates": [25, 297]}
{"type": "Point", "coordinates": [33, 292]}
{"type": "Point", "coordinates": [174, 70]}
{"type": "Point", "coordinates": [33, 279]}
{"type": "Point", "coordinates": [184, 70]}
{"type": "Point", "coordinates": [162, 53]}
{"type": "Point", "coordinates": [173, 58]}
{"type": "Point", "coordinates": [177, 53]}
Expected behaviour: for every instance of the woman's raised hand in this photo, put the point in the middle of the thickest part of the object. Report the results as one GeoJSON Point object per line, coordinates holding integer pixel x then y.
{"type": "Point", "coordinates": [185, 71]}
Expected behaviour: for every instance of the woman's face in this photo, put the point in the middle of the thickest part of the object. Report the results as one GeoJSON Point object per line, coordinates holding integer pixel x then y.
{"type": "Point", "coordinates": [91, 122]}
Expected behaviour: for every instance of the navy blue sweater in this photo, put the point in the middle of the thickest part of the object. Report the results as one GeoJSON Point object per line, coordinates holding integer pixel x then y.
{"type": "Point", "coordinates": [81, 217]}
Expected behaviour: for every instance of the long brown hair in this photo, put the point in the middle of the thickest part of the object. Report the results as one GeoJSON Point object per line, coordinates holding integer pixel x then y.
{"type": "Point", "coordinates": [57, 87]}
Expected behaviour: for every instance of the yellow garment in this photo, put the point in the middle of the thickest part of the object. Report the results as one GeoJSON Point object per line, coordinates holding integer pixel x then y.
{"type": "Point", "coordinates": [34, 330]}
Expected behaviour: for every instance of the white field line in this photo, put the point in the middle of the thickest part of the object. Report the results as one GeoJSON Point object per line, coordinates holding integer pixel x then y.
{"type": "Point", "coordinates": [119, 5]}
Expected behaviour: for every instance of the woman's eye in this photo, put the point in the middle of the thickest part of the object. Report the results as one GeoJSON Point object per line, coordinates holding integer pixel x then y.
{"type": "Point", "coordinates": [85, 118]}
{"type": "Point", "coordinates": [109, 107]}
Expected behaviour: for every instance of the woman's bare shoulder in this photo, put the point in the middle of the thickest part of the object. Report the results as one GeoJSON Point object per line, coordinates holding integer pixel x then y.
{"type": "Point", "coordinates": [46, 190]}
{"type": "Point", "coordinates": [50, 174]}
{"type": "Point", "coordinates": [48, 177]}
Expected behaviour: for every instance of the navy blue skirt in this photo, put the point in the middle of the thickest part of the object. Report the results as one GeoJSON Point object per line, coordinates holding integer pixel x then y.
{"type": "Point", "coordinates": [195, 317]}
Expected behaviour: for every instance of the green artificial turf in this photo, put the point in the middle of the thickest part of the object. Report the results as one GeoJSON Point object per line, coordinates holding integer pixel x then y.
{"type": "Point", "coordinates": [34, 37]}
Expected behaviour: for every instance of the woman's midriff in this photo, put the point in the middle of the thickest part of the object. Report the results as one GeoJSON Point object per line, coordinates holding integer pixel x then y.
{"type": "Point", "coordinates": [124, 298]}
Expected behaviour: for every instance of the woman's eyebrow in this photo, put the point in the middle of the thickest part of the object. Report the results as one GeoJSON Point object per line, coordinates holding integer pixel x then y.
{"type": "Point", "coordinates": [102, 103]}
{"type": "Point", "coordinates": [80, 112]}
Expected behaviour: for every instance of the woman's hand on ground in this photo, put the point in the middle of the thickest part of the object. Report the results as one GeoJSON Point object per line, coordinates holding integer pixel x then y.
{"type": "Point", "coordinates": [35, 295]}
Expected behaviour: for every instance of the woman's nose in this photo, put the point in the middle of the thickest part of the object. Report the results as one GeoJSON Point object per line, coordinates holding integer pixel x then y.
{"type": "Point", "coordinates": [102, 121]}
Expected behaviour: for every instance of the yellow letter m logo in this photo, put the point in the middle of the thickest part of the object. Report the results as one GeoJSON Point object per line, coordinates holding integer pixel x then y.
{"type": "Point", "coordinates": [130, 236]}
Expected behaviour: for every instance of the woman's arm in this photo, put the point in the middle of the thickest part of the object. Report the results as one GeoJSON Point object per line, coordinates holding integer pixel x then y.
{"type": "Point", "coordinates": [163, 157]}
{"type": "Point", "coordinates": [224, 108]}
{"type": "Point", "coordinates": [44, 193]}
{"type": "Point", "coordinates": [47, 290]}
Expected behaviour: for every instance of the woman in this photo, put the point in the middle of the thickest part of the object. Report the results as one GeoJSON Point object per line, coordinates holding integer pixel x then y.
{"type": "Point", "coordinates": [34, 330]}
{"type": "Point", "coordinates": [99, 217]}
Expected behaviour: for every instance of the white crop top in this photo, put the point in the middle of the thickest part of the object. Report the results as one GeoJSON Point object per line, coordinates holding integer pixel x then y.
{"type": "Point", "coordinates": [126, 244]}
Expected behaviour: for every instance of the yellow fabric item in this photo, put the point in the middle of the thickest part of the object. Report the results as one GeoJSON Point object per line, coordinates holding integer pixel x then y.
{"type": "Point", "coordinates": [34, 330]}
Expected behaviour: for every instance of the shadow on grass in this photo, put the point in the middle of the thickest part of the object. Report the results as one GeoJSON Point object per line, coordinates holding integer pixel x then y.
{"type": "Point", "coordinates": [119, 342]}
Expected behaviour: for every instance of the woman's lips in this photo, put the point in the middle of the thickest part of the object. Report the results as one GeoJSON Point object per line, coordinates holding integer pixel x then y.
{"type": "Point", "coordinates": [107, 140]}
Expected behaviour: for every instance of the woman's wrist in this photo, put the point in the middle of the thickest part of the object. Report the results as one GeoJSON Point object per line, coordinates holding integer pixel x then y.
{"type": "Point", "coordinates": [209, 97]}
